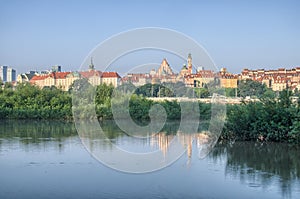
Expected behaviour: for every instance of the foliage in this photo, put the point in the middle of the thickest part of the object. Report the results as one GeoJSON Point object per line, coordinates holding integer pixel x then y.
{"type": "Point", "coordinates": [154, 90]}
{"type": "Point", "coordinates": [29, 101]}
{"type": "Point", "coordinates": [230, 92]}
{"type": "Point", "coordinates": [270, 119]}
{"type": "Point", "coordinates": [202, 92]}
{"type": "Point", "coordinates": [251, 88]}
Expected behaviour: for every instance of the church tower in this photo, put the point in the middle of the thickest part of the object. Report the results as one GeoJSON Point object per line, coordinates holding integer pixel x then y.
{"type": "Point", "coordinates": [91, 66]}
{"type": "Point", "coordinates": [164, 69]}
{"type": "Point", "coordinates": [189, 64]}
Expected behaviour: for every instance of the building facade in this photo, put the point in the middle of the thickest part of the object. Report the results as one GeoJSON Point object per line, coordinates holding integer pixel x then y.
{"type": "Point", "coordinates": [277, 80]}
{"type": "Point", "coordinates": [7, 74]}
{"type": "Point", "coordinates": [3, 73]}
{"type": "Point", "coordinates": [112, 78]}
{"type": "Point", "coordinates": [26, 77]}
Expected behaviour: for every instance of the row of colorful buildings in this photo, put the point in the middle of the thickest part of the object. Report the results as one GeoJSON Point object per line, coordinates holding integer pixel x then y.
{"type": "Point", "coordinates": [277, 80]}
{"type": "Point", "coordinates": [186, 75]}
{"type": "Point", "coordinates": [64, 80]}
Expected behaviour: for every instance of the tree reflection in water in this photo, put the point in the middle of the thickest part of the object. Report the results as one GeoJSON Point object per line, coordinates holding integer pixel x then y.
{"type": "Point", "coordinates": [35, 132]}
{"type": "Point", "coordinates": [254, 164]}
{"type": "Point", "coordinates": [258, 164]}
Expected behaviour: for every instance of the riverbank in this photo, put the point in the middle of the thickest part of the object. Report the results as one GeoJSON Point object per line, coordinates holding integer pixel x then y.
{"type": "Point", "coordinates": [266, 120]}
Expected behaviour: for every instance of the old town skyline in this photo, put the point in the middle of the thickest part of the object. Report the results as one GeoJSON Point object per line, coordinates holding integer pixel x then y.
{"type": "Point", "coordinates": [34, 38]}
{"type": "Point", "coordinates": [190, 75]}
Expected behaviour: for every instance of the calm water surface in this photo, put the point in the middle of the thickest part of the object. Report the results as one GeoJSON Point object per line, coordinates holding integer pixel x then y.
{"type": "Point", "coordinates": [47, 160]}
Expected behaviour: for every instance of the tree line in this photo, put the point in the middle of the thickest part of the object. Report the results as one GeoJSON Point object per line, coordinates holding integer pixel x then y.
{"type": "Point", "coordinates": [275, 117]}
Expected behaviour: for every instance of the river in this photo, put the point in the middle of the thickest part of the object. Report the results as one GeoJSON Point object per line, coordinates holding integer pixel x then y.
{"type": "Point", "coordinates": [46, 159]}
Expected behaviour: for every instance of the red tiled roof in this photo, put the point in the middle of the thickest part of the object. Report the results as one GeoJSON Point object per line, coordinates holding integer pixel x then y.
{"type": "Point", "coordinates": [55, 75]}
{"type": "Point", "coordinates": [91, 73]}
{"type": "Point", "coordinates": [110, 75]}
{"type": "Point", "coordinates": [39, 77]}
{"type": "Point", "coordinates": [60, 75]}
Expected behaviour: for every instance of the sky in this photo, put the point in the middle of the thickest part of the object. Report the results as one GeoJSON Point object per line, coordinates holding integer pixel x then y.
{"type": "Point", "coordinates": [237, 34]}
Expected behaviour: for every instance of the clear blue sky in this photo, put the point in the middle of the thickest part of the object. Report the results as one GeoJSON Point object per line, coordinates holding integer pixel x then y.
{"type": "Point", "coordinates": [237, 34]}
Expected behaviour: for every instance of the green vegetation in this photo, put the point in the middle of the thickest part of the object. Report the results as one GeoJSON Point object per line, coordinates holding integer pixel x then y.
{"type": "Point", "coordinates": [270, 119]}
{"type": "Point", "coordinates": [251, 88]}
{"type": "Point", "coordinates": [246, 88]}
{"type": "Point", "coordinates": [28, 101]}
{"type": "Point", "coordinates": [164, 90]}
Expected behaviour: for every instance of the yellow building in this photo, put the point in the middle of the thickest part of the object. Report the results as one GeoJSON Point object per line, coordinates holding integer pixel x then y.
{"type": "Point", "coordinates": [57, 79]}
{"type": "Point", "coordinates": [111, 78]}
{"type": "Point", "coordinates": [93, 76]}
{"type": "Point", "coordinates": [228, 80]}
{"type": "Point", "coordinates": [279, 84]}
{"type": "Point", "coordinates": [25, 77]}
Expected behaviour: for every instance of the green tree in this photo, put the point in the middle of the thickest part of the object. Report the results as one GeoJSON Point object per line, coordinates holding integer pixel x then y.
{"type": "Point", "coordinates": [230, 92]}
{"type": "Point", "coordinates": [271, 119]}
{"type": "Point", "coordinates": [251, 88]}
{"type": "Point", "coordinates": [202, 92]}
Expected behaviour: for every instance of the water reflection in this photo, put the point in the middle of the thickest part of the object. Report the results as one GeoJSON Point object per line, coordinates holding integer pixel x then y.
{"type": "Point", "coordinates": [25, 134]}
{"type": "Point", "coordinates": [258, 164]}
{"type": "Point", "coordinates": [144, 152]}
{"type": "Point", "coordinates": [36, 129]}
{"type": "Point", "coordinates": [151, 142]}
{"type": "Point", "coordinates": [270, 166]}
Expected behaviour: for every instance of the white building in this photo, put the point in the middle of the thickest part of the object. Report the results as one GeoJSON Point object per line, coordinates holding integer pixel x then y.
{"type": "Point", "coordinates": [7, 74]}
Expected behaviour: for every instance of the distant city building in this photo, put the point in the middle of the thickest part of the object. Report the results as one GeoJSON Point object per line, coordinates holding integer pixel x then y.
{"type": "Point", "coordinates": [91, 66]}
{"type": "Point", "coordinates": [26, 77]}
{"type": "Point", "coordinates": [164, 69]}
{"type": "Point", "coordinates": [277, 80]}
{"type": "Point", "coordinates": [199, 79]}
{"type": "Point", "coordinates": [189, 64]}
{"type": "Point", "coordinates": [3, 73]}
{"type": "Point", "coordinates": [200, 68]}
{"type": "Point", "coordinates": [186, 75]}
{"type": "Point", "coordinates": [7, 74]}
{"type": "Point", "coordinates": [56, 69]}
{"type": "Point", "coordinates": [228, 80]}
{"type": "Point", "coordinates": [137, 79]}
{"type": "Point", "coordinates": [44, 72]}
{"type": "Point", "coordinates": [64, 80]}
{"type": "Point", "coordinates": [93, 76]}
{"type": "Point", "coordinates": [165, 74]}
{"type": "Point", "coordinates": [112, 78]}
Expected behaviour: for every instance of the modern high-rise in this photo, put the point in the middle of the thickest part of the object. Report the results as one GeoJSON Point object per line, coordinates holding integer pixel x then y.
{"type": "Point", "coordinates": [3, 73]}
{"type": "Point", "coordinates": [56, 68]}
{"type": "Point", "coordinates": [7, 74]}
{"type": "Point", "coordinates": [11, 75]}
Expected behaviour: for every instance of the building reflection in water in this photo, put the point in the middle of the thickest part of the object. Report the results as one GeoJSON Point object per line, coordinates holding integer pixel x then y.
{"type": "Point", "coordinates": [163, 140]}
{"type": "Point", "coordinates": [252, 163]}
{"type": "Point", "coordinates": [112, 135]}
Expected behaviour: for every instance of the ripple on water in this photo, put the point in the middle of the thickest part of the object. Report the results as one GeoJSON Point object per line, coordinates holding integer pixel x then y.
{"type": "Point", "coordinates": [33, 163]}
{"type": "Point", "coordinates": [254, 185]}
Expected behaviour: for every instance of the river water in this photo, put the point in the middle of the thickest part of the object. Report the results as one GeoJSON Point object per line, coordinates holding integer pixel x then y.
{"type": "Point", "coordinates": [48, 160]}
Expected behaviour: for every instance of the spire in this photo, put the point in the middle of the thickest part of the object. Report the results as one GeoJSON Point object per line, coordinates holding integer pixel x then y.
{"type": "Point", "coordinates": [189, 63]}
{"type": "Point", "coordinates": [91, 66]}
